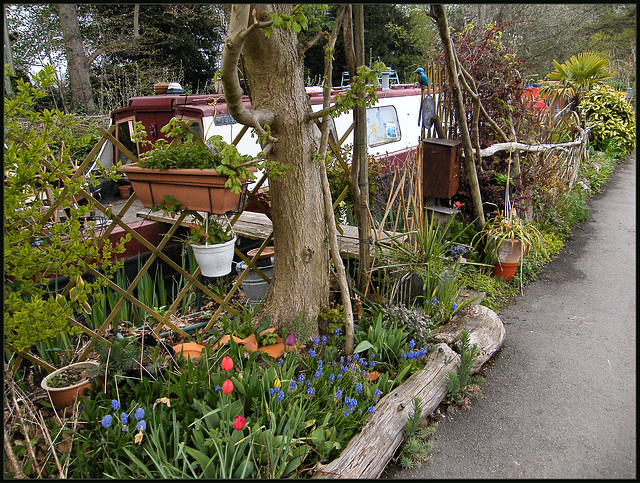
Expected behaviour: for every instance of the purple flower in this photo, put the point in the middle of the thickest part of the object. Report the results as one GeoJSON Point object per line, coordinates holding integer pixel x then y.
{"type": "Point", "coordinates": [292, 386]}
{"type": "Point", "coordinates": [124, 418]}
{"type": "Point", "coordinates": [337, 332]}
{"type": "Point", "coordinates": [324, 339]}
{"type": "Point", "coordinates": [139, 414]}
{"type": "Point", "coordinates": [332, 377]}
{"type": "Point", "coordinates": [338, 395]}
{"type": "Point", "coordinates": [141, 426]}
{"type": "Point", "coordinates": [115, 404]}
{"type": "Point", "coordinates": [371, 409]}
{"type": "Point", "coordinates": [290, 340]}
{"type": "Point", "coordinates": [280, 396]}
{"type": "Point", "coordinates": [311, 391]}
{"type": "Point", "coordinates": [358, 387]}
{"type": "Point", "coordinates": [316, 340]}
{"type": "Point", "coordinates": [312, 353]}
{"type": "Point", "coordinates": [454, 307]}
{"type": "Point", "coordinates": [412, 344]}
{"type": "Point", "coordinates": [106, 421]}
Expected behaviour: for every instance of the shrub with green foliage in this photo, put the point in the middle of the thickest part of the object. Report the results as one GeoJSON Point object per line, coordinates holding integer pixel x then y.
{"type": "Point", "coordinates": [611, 118]}
{"type": "Point", "coordinates": [37, 250]}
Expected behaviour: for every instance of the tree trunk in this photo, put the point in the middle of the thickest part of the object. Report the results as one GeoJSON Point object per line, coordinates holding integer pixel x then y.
{"type": "Point", "coordinates": [301, 261]}
{"type": "Point", "coordinates": [438, 13]}
{"type": "Point", "coordinates": [360, 184]}
{"type": "Point", "coordinates": [77, 66]}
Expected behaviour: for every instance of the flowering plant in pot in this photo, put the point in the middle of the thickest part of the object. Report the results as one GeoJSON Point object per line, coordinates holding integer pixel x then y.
{"type": "Point", "coordinates": [212, 243]}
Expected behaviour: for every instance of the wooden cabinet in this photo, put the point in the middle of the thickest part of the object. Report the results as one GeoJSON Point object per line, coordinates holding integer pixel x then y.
{"type": "Point", "coordinates": [440, 167]}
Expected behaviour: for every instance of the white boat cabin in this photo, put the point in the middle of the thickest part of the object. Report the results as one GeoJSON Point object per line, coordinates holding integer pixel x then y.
{"type": "Point", "coordinates": [393, 128]}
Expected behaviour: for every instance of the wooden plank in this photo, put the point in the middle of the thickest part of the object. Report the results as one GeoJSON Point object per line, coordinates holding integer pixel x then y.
{"type": "Point", "coordinates": [258, 226]}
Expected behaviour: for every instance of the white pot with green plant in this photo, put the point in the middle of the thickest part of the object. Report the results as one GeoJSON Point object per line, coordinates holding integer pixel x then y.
{"type": "Point", "coordinates": [212, 243]}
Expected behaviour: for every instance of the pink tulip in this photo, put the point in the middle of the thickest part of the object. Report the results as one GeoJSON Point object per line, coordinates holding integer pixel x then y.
{"type": "Point", "coordinates": [290, 340]}
{"type": "Point", "coordinates": [227, 386]}
{"type": "Point", "coordinates": [238, 423]}
{"type": "Point", "coordinates": [227, 363]}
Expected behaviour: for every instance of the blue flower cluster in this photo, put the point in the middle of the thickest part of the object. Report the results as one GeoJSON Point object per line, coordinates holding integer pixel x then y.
{"type": "Point", "coordinates": [457, 251]}
{"type": "Point", "coordinates": [414, 354]}
{"type": "Point", "coordinates": [278, 393]}
{"type": "Point", "coordinates": [107, 420]}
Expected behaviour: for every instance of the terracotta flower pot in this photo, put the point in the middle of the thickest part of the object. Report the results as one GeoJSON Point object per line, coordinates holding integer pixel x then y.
{"type": "Point", "coordinates": [189, 350]}
{"type": "Point", "coordinates": [66, 396]}
{"type": "Point", "coordinates": [505, 270]}
{"type": "Point", "coordinates": [160, 88]}
{"type": "Point", "coordinates": [196, 189]}
{"type": "Point", "coordinates": [125, 190]}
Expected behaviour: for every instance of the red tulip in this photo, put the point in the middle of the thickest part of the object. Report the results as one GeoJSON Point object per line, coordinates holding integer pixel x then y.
{"type": "Point", "coordinates": [227, 363]}
{"type": "Point", "coordinates": [227, 386]}
{"type": "Point", "coordinates": [457, 204]}
{"type": "Point", "coordinates": [238, 423]}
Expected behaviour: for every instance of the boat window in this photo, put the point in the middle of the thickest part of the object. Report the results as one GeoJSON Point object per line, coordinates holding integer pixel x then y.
{"type": "Point", "coordinates": [382, 125]}
{"type": "Point", "coordinates": [123, 135]}
{"type": "Point", "coordinates": [196, 126]}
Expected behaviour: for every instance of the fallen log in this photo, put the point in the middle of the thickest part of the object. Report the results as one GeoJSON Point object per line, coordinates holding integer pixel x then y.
{"type": "Point", "coordinates": [369, 452]}
{"type": "Point", "coordinates": [484, 327]}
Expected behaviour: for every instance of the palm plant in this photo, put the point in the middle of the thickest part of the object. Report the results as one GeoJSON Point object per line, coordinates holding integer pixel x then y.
{"type": "Point", "coordinates": [575, 77]}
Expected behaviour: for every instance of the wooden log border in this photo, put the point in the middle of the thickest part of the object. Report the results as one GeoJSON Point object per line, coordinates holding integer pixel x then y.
{"type": "Point", "coordinates": [369, 452]}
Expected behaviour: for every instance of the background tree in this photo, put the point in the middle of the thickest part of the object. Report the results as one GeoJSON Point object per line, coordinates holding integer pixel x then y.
{"type": "Point", "coordinates": [397, 35]}
{"type": "Point", "coordinates": [541, 33]}
{"type": "Point", "coordinates": [77, 61]}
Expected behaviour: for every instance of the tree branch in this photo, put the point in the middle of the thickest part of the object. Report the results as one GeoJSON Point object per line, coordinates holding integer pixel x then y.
{"type": "Point", "coordinates": [238, 32]}
{"type": "Point", "coordinates": [305, 47]}
{"type": "Point", "coordinates": [328, 206]}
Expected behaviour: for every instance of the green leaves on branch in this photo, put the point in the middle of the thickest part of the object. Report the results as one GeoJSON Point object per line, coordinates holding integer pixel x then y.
{"type": "Point", "coordinates": [38, 160]}
{"type": "Point", "coordinates": [365, 81]}
{"type": "Point", "coordinates": [295, 23]}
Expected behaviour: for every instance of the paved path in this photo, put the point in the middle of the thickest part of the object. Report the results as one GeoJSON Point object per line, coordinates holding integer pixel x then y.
{"type": "Point", "coordinates": [560, 398]}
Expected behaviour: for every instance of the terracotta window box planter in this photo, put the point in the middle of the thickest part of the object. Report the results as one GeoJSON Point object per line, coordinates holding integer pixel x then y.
{"type": "Point", "coordinates": [196, 189]}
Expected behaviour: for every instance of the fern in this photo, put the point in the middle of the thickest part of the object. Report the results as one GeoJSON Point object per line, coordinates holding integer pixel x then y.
{"type": "Point", "coordinates": [458, 382]}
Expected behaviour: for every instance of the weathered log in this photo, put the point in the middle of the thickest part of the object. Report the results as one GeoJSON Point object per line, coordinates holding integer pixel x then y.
{"type": "Point", "coordinates": [368, 453]}
{"type": "Point", "coordinates": [485, 329]}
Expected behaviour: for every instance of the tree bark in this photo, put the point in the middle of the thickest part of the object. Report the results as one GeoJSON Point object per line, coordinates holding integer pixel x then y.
{"type": "Point", "coordinates": [77, 65]}
{"type": "Point", "coordinates": [300, 280]}
{"type": "Point", "coordinates": [438, 13]}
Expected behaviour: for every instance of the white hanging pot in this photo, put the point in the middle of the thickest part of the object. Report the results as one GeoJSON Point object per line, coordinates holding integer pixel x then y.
{"type": "Point", "coordinates": [214, 260]}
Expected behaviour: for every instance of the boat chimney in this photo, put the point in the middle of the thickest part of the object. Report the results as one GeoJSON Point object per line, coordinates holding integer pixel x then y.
{"type": "Point", "coordinates": [385, 81]}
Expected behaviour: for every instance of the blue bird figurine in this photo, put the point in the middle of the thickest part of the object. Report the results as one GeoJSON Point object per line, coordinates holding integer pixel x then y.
{"type": "Point", "coordinates": [423, 80]}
